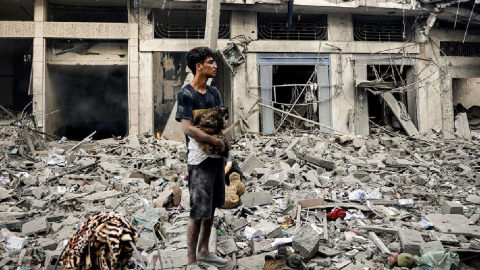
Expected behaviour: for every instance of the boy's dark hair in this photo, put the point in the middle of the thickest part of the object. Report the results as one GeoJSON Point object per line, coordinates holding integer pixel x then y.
{"type": "Point", "coordinates": [197, 55]}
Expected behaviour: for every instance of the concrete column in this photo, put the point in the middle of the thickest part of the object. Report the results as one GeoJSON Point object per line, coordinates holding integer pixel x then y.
{"type": "Point", "coordinates": [212, 23]}
{"type": "Point", "coordinates": [447, 103]}
{"type": "Point", "coordinates": [245, 23]}
{"type": "Point", "coordinates": [429, 91]}
{"type": "Point", "coordinates": [145, 95]}
{"type": "Point", "coordinates": [344, 99]}
{"type": "Point", "coordinates": [38, 64]}
{"type": "Point", "coordinates": [133, 86]}
{"type": "Point", "coordinates": [340, 27]}
{"type": "Point", "coordinates": [145, 26]}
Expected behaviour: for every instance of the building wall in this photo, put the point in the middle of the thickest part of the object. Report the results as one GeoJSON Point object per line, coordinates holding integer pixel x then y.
{"type": "Point", "coordinates": [434, 96]}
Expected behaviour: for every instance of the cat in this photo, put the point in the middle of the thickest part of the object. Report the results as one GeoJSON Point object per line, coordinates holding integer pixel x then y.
{"type": "Point", "coordinates": [214, 120]}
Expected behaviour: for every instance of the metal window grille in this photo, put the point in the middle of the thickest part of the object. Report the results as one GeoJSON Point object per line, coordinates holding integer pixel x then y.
{"type": "Point", "coordinates": [273, 26]}
{"type": "Point", "coordinates": [380, 28]}
{"type": "Point", "coordinates": [188, 24]}
{"type": "Point", "coordinates": [453, 48]}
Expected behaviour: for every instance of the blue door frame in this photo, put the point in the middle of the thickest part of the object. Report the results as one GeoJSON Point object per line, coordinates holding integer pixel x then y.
{"type": "Point", "coordinates": [266, 61]}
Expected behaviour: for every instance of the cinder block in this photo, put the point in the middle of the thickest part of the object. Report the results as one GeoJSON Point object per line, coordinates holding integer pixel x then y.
{"type": "Point", "coordinates": [452, 208]}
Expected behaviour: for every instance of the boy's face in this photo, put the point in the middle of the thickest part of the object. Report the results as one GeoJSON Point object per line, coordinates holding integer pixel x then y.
{"type": "Point", "coordinates": [208, 67]}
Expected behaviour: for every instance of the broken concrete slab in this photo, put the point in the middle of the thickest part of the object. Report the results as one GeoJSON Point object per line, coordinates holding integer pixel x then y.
{"type": "Point", "coordinates": [453, 224]}
{"type": "Point", "coordinates": [36, 226]}
{"type": "Point", "coordinates": [429, 246]}
{"type": "Point", "coordinates": [269, 229]}
{"type": "Point", "coordinates": [399, 113]}
{"type": "Point", "coordinates": [329, 252]}
{"type": "Point", "coordinates": [251, 163]}
{"type": "Point", "coordinates": [228, 246]}
{"type": "Point", "coordinates": [256, 198]}
{"type": "Point", "coordinates": [316, 160]}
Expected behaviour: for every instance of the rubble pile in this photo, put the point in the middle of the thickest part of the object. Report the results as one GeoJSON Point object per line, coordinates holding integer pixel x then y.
{"type": "Point", "coordinates": [312, 201]}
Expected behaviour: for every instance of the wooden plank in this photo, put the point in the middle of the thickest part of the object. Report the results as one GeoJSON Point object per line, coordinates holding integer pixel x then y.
{"type": "Point", "coordinates": [393, 103]}
{"type": "Point", "coordinates": [311, 202]}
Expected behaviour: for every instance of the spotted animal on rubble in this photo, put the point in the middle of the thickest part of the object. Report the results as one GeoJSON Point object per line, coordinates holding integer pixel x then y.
{"type": "Point", "coordinates": [102, 242]}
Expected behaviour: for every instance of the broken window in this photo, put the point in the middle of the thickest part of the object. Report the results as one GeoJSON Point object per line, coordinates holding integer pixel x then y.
{"type": "Point", "coordinates": [15, 74]}
{"type": "Point", "coordinates": [304, 27]}
{"type": "Point", "coordinates": [387, 98]}
{"type": "Point", "coordinates": [382, 28]}
{"type": "Point", "coordinates": [454, 48]}
{"type": "Point", "coordinates": [87, 11]}
{"type": "Point", "coordinates": [187, 24]}
{"type": "Point", "coordinates": [295, 94]}
{"type": "Point", "coordinates": [18, 10]}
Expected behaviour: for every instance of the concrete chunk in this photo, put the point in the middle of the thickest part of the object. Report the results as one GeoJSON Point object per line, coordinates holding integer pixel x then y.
{"type": "Point", "coordinates": [429, 246]}
{"type": "Point", "coordinates": [229, 246]}
{"type": "Point", "coordinates": [40, 225]}
{"type": "Point", "coordinates": [452, 208]}
{"type": "Point", "coordinates": [306, 241]}
{"type": "Point", "coordinates": [410, 240]}
{"type": "Point", "coordinates": [269, 229]}
{"type": "Point", "coordinates": [256, 198]}
{"type": "Point", "coordinates": [250, 164]}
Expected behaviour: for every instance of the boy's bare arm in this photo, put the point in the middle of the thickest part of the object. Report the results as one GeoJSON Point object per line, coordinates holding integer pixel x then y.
{"type": "Point", "coordinates": [199, 135]}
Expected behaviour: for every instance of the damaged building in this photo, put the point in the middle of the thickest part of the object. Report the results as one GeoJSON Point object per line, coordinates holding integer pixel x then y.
{"type": "Point", "coordinates": [115, 66]}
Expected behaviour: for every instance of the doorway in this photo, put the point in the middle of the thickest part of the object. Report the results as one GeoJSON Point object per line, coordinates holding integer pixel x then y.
{"type": "Point", "coordinates": [295, 87]}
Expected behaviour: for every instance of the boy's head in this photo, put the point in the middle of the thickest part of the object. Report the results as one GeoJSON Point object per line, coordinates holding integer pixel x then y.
{"type": "Point", "coordinates": [201, 59]}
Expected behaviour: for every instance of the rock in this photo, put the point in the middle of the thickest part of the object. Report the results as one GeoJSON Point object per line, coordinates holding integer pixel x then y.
{"type": "Point", "coordinates": [306, 241]}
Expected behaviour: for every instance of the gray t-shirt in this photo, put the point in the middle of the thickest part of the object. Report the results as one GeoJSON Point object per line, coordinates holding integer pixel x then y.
{"type": "Point", "coordinates": [188, 100]}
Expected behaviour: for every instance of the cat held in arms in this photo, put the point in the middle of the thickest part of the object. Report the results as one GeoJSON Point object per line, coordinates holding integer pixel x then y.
{"type": "Point", "coordinates": [212, 121]}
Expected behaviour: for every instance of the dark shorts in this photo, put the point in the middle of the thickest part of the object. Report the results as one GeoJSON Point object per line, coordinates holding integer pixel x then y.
{"type": "Point", "coordinates": [207, 187]}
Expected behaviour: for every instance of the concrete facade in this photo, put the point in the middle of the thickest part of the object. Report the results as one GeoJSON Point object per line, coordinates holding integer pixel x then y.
{"type": "Point", "coordinates": [431, 97]}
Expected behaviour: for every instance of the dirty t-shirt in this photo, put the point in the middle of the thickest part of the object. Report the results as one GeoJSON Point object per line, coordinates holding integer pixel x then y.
{"type": "Point", "coordinates": [188, 100]}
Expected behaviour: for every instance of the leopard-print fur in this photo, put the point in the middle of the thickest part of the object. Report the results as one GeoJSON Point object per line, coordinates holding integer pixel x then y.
{"type": "Point", "coordinates": [101, 243]}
